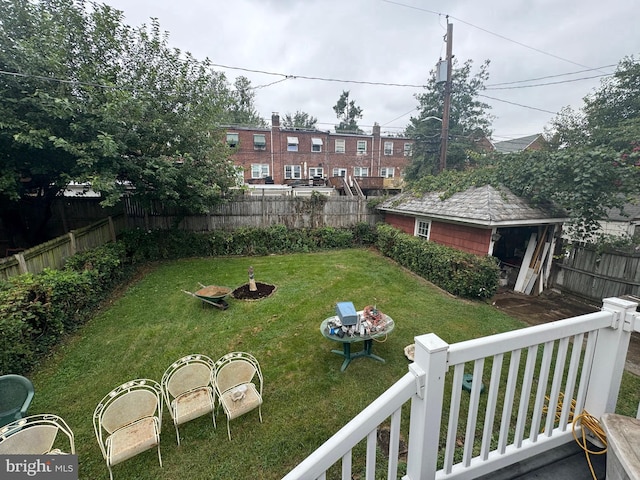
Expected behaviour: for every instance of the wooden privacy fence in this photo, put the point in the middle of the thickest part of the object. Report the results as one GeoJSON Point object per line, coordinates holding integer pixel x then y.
{"type": "Point", "coordinates": [593, 275]}
{"type": "Point", "coordinates": [261, 212]}
{"type": "Point", "coordinates": [53, 253]}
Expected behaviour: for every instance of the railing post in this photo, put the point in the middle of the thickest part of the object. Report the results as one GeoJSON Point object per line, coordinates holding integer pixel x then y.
{"type": "Point", "coordinates": [429, 368]}
{"type": "Point", "coordinates": [609, 357]}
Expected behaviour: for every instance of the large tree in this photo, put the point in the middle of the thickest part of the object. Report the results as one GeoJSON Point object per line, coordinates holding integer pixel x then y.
{"type": "Point", "coordinates": [299, 120]}
{"type": "Point", "coordinates": [243, 109]}
{"type": "Point", "coordinates": [610, 115]}
{"type": "Point", "coordinates": [85, 98]}
{"type": "Point", "coordinates": [348, 113]}
{"type": "Point", "coordinates": [469, 121]}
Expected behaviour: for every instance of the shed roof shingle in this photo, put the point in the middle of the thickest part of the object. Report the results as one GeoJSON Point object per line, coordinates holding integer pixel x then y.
{"type": "Point", "coordinates": [480, 205]}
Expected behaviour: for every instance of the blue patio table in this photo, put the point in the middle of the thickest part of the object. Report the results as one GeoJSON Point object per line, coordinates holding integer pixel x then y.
{"type": "Point", "coordinates": [347, 340]}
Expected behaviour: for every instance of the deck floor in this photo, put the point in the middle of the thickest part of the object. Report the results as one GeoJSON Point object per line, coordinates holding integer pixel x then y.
{"type": "Point", "coordinates": [563, 463]}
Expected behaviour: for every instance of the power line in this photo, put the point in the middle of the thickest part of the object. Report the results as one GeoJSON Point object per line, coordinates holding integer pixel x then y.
{"type": "Point", "coordinates": [519, 104]}
{"type": "Point", "coordinates": [550, 83]}
{"type": "Point", "coordinates": [489, 32]}
{"type": "Point", "coordinates": [323, 79]}
{"type": "Point", "coordinates": [550, 76]}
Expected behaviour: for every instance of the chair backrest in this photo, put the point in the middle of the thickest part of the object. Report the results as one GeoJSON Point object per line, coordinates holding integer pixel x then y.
{"type": "Point", "coordinates": [34, 435]}
{"type": "Point", "coordinates": [16, 393]}
{"type": "Point", "coordinates": [236, 368]}
{"type": "Point", "coordinates": [186, 374]}
{"type": "Point", "coordinates": [126, 404]}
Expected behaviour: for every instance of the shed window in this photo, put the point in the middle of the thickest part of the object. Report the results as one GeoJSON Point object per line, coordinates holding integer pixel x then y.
{"type": "Point", "coordinates": [422, 228]}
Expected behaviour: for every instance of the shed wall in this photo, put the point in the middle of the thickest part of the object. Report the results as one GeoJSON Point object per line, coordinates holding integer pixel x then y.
{"type": "Point", "coordinates": [466, 238]}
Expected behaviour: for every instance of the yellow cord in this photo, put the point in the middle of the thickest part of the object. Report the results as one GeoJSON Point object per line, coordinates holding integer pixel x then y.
{"type": "Point", "coordinates": [586, 422]}
{"type": "Point", "coordinates": [591, 423]}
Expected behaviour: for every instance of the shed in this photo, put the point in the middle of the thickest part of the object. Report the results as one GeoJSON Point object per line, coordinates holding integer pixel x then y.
{"type": "Point", "coordinates": [485, 221]}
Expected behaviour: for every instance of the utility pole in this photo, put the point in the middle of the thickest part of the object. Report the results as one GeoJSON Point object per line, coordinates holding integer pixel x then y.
{"type": "Point", "coordinates": [444, 138]}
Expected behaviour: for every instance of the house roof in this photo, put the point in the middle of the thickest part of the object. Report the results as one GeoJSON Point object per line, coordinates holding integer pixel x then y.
{"type": "Point", "coordinates": [485, 206]}
{"type": "Point", "coordinates": [630, 212]}
{"type": "Point", "coordinates": [515, 145]}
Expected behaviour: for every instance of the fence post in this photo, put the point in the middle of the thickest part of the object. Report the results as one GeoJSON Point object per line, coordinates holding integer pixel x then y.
{"type": "Point", "coordinates": [22, 264]}
{"type": "Point", "coordinates": [609, 357]}
{"type": "Point", "coordinates": [72, 241]}
{"type": "Point", "coordinates": [112, 229]}
{"type": "Point", "coordinates": [429, 369]}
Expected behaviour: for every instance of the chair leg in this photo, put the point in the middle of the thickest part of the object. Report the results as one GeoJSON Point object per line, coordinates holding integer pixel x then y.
{"type": "Point", "coordinates": [260, 412]}
{"type": "Point", "coordinates": [228, 429]}
{"type": "Point", "coordinates": [159, 457]}
{"type": "Point", "coordinates": [110, 472]}
{"type": "Point", "coordinates": [177, 434]}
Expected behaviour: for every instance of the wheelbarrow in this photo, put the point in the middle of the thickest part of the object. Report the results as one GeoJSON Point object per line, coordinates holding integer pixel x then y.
{"type": "Point", "coordinates": [212, 294]}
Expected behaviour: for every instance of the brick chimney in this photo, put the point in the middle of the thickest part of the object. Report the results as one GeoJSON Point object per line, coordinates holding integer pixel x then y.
{"type": "Point", "coordinates": [376, 130]}
{"type": "Point", "coordinates": [275, 120]}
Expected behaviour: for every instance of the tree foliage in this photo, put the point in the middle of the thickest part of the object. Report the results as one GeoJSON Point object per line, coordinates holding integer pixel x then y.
{"type": "Point", "coordinates": [299, 120]}
{"type": "Point", "coordinates": [348, 113]}
{"type": "Point", "coordinates": [242, 110]}
{"type": "Point", "coordinates": [610, 115]}
{"type": "Point", "coordinates": [85, 98]}
{"type": "Point", "coordinates": [469, 121]}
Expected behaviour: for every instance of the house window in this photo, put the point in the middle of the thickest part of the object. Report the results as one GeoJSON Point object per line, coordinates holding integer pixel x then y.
{"type": "Point", "coordinates": [387, 172]}
{"type": "Point", "coordinates": [339, 146]}
{"type": "Point", "coordinates": [388, 148]}
{"type": "Point", "coordinates": [292, 172]}
{"type": "Point", "coordinates": [360, 171]}
{"type": "Point", "coordinates": [339, 172]}
{"type": "Point", "coordinates": [407, 149]}
{"type": "Point", "coordinates": [259, 141]}
{"type": "Point", "coordinates": [422, 228]}
{"type": "Point", "coordinates": [362, 147]}
{"type": "Point", "coordinates": [259, 170]}
{"type": "Point", "coordinates": [292, 144]}
{"type": "Point", "coordinates": [232, 139]}
{"type": "Point", "coordinates": [316, 145]}
{"type": "Point", "coordinates": [316, 172]}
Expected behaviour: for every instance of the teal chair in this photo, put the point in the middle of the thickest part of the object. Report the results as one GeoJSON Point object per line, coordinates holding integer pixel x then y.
{"type": "Point", "coordinates": [16, 393]}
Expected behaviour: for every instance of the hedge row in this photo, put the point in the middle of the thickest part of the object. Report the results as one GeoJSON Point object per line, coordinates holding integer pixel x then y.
{"type": "Point", "coordinates": [36, 310]}
{"type": "Point", "coordinates": [459, 273]}
{"type": "Point", "coordinates": [152, 245]}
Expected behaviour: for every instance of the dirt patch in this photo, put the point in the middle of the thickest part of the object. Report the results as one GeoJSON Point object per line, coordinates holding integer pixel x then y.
{"type": "Point", "coordinates": [552, 306]}
{"type": "Point", "coordinates": [244, 293]}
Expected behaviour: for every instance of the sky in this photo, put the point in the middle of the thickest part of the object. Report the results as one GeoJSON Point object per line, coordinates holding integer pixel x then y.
{"type": "Point", "coordinates": [569, 45]}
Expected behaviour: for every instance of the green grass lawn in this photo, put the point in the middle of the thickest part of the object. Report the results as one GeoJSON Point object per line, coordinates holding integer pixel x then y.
{"type": "Point", "coordinates": [306, 397]}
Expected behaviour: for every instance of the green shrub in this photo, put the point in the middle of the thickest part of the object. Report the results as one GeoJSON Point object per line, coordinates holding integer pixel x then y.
{"type": "Point", "coordinates": [37, 310]}
{"type": "Point", "coordinates": [143, 245]}
{"type": "Point", "coordinates": [460, 273]}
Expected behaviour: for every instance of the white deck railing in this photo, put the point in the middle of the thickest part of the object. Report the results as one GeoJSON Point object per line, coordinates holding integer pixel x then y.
{"type": "Point", "coordinates": [537, 379]}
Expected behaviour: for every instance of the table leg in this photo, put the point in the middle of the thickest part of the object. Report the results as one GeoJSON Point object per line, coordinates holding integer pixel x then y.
{"type": "Point", "coordinates": [365, 352]}
{"type": "Point", "coordinates": [346, 353]}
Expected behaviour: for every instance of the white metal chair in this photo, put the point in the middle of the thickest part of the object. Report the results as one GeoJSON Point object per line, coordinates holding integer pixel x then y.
{"type": "Point", "coordinates": [238, 381]}
{"type": "Point", "coordinates": [188, 390]}
{"type": "Point", "coordinates": [127, 421]}
{"type": "Point", "coordinates": [35, 435]}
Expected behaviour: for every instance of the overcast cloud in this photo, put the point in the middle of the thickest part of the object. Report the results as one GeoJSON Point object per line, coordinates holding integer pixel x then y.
{"type": "Point", "coordinates": [399, 42]}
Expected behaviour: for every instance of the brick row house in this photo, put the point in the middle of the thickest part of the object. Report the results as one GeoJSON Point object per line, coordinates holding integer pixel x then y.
{"type": "Point", "coordinates": [289, 156]}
